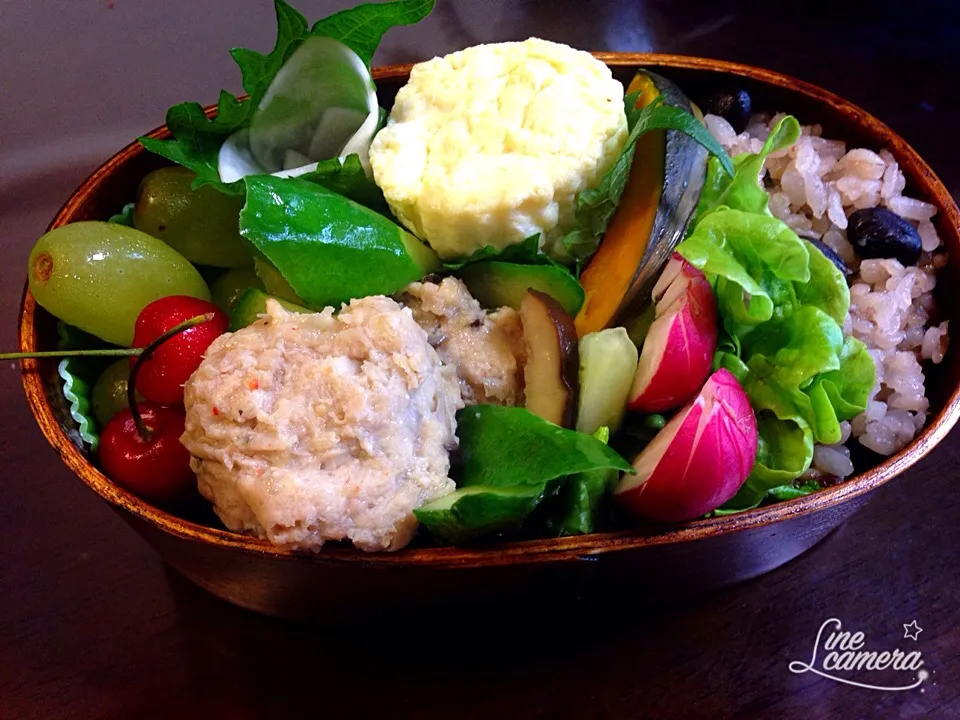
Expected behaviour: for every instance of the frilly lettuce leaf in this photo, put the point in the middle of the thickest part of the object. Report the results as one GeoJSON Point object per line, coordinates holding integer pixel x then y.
{"type": "Point", "coordinates": [793, 490]}
{"type": "Point", "coordinates": [740, 188]}
{"type": "Point", "coordinates": [750, 254]}
{"type": "Point", "coordinates": [849, 386]}
{"type": "Point", "coordinates": [782, 304]}
{"type": "Point", "coordinates": [827, 288]}
{"type": "Point", "coordinates": [197, 139]}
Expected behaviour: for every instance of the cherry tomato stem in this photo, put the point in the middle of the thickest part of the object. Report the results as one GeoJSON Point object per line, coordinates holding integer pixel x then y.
{"type": "Point", "coordinates": [104, 352]}
{"type": "Point", "coordinates": [142, 428]}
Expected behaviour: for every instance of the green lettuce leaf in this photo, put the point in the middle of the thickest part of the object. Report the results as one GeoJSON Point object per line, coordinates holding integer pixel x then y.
{"type": "Point", "coordinates": [748, 498]}
{"type": "Point", "coordinates": [740, 189]}
{"type": "Point", "coordinates": [328, 248]}
{"type": "Point", "coordinates": [827, 288]}
{"type": "Point", "coordinates": [596, 207]}
{"type": "Point", "coordinates": [197, 139]}
{"type": "Point", "coordinates": [848, 387]}
{"type": "Point", "coordinates": [799, 346]}
{"type": "Point", "coordinates": [793, 490]}
{"type": "Point", "coordinates": [754, 256]}
{"type": "Point", "coordinates": [510, 460]}
{"type": "Point", "coordinates": [784, 452]}
{"type": "Point", "coordinates": [782, 304]}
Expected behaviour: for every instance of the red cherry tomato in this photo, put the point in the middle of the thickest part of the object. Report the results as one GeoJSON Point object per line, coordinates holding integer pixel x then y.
{"type": "Point", "coordinates": [156, 469]}
{"type": "Point", "coordinates": [162, 375]}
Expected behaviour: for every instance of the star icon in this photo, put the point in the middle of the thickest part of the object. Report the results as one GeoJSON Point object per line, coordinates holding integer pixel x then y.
{"type": "Point", "coordinates": [912, 630]}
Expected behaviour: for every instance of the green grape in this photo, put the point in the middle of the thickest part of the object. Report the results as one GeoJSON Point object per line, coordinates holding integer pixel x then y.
{"type": "Point", "coordinates": [227, 288]}
{"type": "Point", "coordinates": [273, 282]}
{"type": "Point", "coordinates": [109, 394]}
{"type": "Point", "coordinates": [202, 224]}
{"type": "Point", "coordinates": [98, 276]}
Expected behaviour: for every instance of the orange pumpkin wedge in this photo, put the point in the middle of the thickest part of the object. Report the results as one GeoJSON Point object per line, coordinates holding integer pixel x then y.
{"type": "Point", "coordinates": [658, 201]}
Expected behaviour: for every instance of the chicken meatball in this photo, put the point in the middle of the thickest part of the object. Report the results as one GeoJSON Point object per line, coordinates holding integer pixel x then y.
{"type": "Point", "coordinates": [306, 428]}
{"type": "Point", "coordinates": [487, 349]}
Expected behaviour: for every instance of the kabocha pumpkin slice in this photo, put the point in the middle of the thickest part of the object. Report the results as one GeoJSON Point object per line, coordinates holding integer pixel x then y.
{"type": "Point", "coordinates": [658, 202]}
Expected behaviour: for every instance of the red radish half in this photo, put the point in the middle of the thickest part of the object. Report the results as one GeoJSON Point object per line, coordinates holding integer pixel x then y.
{"type": "Point", "coordinates": [698, 460]}
{"type": "Point", "coordinates": [678, 350]}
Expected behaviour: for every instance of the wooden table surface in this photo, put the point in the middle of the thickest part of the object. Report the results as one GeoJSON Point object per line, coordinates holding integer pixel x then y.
{"type": "Point", "coordinates": [93, 626]}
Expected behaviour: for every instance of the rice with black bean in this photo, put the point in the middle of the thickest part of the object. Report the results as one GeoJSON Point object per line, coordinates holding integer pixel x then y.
{"type": "Point", "coordinates": [814, 186]}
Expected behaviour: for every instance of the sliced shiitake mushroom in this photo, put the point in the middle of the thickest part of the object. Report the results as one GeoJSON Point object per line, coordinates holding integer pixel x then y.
{"type": "Point", "coordinates": [551, 375]}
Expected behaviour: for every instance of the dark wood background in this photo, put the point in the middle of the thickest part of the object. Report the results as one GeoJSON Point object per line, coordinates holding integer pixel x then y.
{"type": "Point", "coordinates": [93, 626]}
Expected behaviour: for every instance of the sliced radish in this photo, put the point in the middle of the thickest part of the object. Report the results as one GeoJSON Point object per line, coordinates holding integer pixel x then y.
{"type": "Point", "coordinates": [235, 160]}
{"type": "Point", "coordinates": [698, 460]}
{"type": "Point", "coordinates": [322, 104]}
{"type": "Point", "coordinates": [678, 350]}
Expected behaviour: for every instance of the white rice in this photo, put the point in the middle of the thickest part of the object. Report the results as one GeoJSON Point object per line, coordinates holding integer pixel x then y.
{"type": "Point", "coordinates": [813, 187]}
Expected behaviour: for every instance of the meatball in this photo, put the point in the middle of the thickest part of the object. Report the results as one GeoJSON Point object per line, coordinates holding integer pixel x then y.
{"type": "Point", "coordinates": [313, 427]}
{"type": "Point", "coordinates": [487, 349]}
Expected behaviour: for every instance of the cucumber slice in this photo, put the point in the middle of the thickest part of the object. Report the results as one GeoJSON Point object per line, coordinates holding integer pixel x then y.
{"type": "Point", "coordinates": [252, 304]}
{"type": "Point", "coordinates": [608, 365]}
{"type": "Point", "coordinates": [496, 284]}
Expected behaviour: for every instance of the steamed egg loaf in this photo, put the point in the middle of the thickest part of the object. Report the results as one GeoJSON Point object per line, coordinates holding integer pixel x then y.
{"type": "Point", "coordinates": [305, 428]}
{"type": "Point", "coordinates": [490, 145]}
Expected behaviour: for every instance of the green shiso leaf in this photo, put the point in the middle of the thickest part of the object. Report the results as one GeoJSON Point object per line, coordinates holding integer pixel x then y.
{"type": "Point", "coordinates": [362, 28]}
